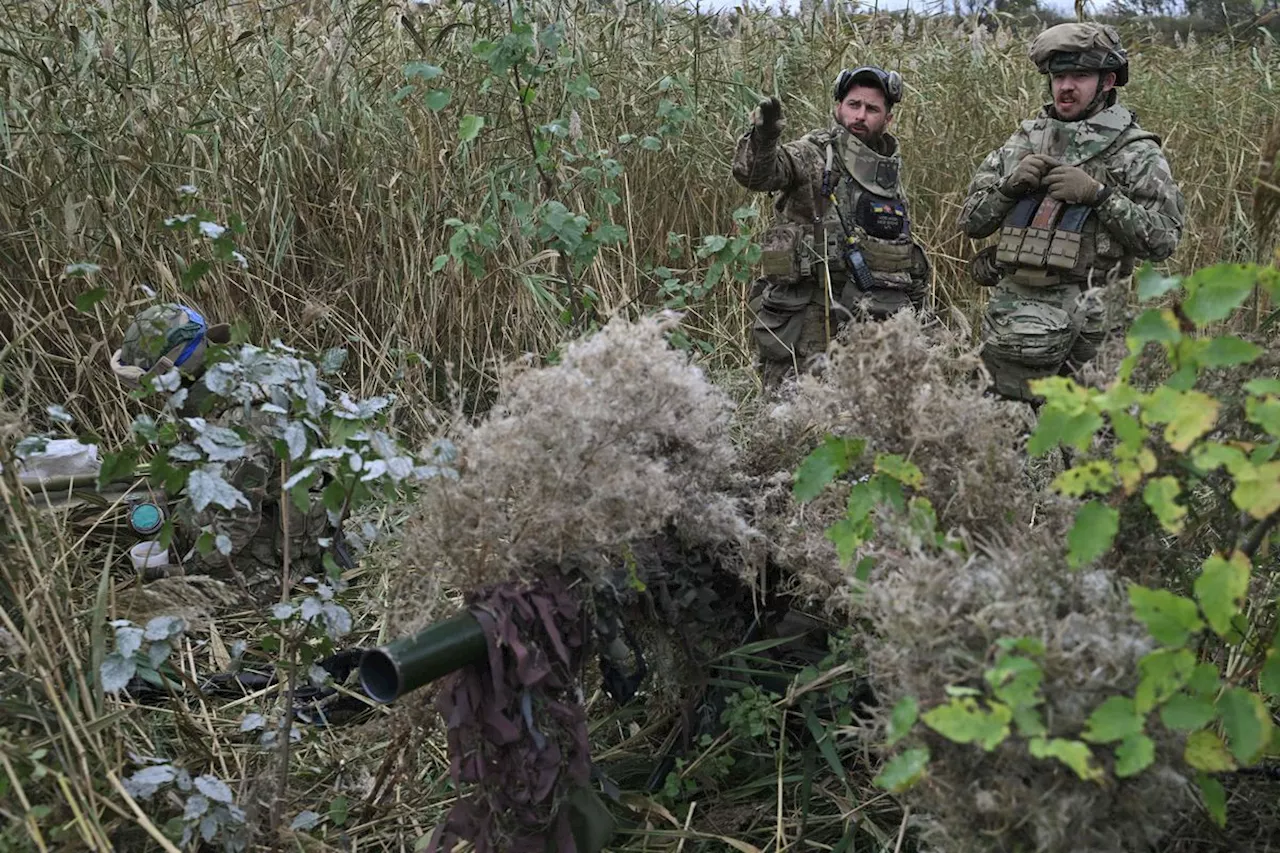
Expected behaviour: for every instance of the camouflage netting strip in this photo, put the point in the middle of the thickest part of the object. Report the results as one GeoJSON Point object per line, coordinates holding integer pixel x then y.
{"type": "Point", "coordinates": [516, 726]}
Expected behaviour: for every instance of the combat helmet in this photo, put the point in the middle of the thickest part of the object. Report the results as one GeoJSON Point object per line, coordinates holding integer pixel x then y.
{"type": "Point", "coordinates": [162, 337]}
{"type": "Point", "coordinates": [1081, 46]}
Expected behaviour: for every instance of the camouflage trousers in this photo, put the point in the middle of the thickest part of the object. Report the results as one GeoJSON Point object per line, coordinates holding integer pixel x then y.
{"type": "Point", "coordinates": [1032, 332]}
{"type": "Point", "coordinates": [256, 534]}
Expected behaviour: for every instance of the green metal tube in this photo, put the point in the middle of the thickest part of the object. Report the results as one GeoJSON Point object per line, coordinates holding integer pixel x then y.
{"type": "Point", "coordinates": [390, 671]}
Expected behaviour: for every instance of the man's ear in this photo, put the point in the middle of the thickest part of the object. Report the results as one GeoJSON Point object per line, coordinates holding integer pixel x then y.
{"type": "Point", "coordinates": [1109, 81]}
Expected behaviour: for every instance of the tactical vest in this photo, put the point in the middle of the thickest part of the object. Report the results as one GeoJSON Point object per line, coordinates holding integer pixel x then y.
{"type": "Point", "coordinates": [864, 232]}
{"type": "Point", "coordinates": [1044, 242]}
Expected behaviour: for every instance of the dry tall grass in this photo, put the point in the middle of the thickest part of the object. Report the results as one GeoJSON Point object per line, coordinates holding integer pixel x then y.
{"type": "Point", "coordinates": [289, 115]}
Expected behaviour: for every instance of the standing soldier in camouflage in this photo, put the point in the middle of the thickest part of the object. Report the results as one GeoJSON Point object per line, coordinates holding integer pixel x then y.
{"type": "Point", "coordinates": [841, 245]}
{"type": "Point", "coordinates": [174, 337]}
{"type": "Point", "coordinates": [1079, 194]}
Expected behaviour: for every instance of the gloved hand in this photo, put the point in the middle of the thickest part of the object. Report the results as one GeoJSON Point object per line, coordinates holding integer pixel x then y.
{"type": "Point", "coordinates": [1072, 185]}
{"type": "Point", "coordinates": [1027, 175]}
{"type": "Point", "coordinates": [767, 117]}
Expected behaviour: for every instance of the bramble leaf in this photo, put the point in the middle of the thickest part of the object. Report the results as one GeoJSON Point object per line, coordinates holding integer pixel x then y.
{"type": "Point", "coordinates": [899, 469]}
{"type": "Point", "coordinates": [1161, 495]}
{"type": "Point", "coordinates": [1134, 755]}
{"type": "Point", "coordinates": [1221, 588]}
{"type": "Point", "coordinates": [1151, 284]}
{"type": "Point", "coordinates": [903, 717]}
{"type": "Point", "coordinates": [1155, 324]}
{"type": "Point", "coordinates": [903, 771]}
{"type": "Point", "coordinates": [469, 127]}
{"type": "Point", "coordinates": [1215, 798]}
{"type": "Point", "coordinates": [962, 721]}
{"type": "Point", "coordinates": [1096, 476]}
{"type": "Point", "coordinates": [1247, 722]}
{"type": "Point", "coordinates": [1092, 534]}
{"type": "Point", "coordinates": [1185, 713]}
{"type": "Point", "coordinates": [1228, 351]}
{"type": "Point", "coordinates": [826, 462]}
{"type": "Point", "coordinates": [1257, 490]}
{"type": "Point", "coordinates": [1163, 673]}
{"type": "Point", "coordinates": [1205, 751]}
{"type": "Point", "coordinates": [1072, 753]}
{"type": "Point", "coordinates": [1115, 719]}
{"type": "Point", "coordinates": [1214, 292]}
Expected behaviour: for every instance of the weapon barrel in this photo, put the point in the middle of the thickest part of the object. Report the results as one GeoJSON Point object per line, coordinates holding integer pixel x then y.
{"type": "Point", "coordinates": [389, 671]}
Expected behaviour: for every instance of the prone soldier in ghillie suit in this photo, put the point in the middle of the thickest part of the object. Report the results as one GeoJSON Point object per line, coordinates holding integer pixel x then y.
{"type": "Point", "coordinates": [1079, 194]}
{"type": "Point", "coordinates": [841, 248]}
{"type": "Point", "coordinates": [170, 337]}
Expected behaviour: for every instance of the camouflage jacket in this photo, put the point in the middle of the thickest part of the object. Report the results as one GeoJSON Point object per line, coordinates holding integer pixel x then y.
{"type": "Point", "coordinates": [858, 175]}
{"type": "Point", "coordinates": [1142, 218]}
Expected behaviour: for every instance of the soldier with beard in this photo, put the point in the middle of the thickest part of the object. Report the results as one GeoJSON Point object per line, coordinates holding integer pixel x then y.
{"type": "Point", "coordinates": [1079, 194]}
{"type": "Point", "coordinates": [841, 247]}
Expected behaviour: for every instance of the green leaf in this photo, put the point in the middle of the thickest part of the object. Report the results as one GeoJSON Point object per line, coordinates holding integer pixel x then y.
{"type": "Point", "coordinates": [1221, 588]}
{"type": "Point", "coordinates": [962, 721]}
{"type": "Point", "coordinates": [422, 71]}
{"type": "Point", "coordinates": [1257, 490]}
{"type": "Point", "coordinates": [1015, 680]}
{"type": "Point", "coordinates": [1262, 387]}
{"type": "Point", "coordinates": [1072, 753]}
{"type": "Point", "coordinates": [1265, 413]}
{"type": "Point", "coordinates": [1161, 495]}
{"type": "Point", "coordinates": [1152, 285]}
{"type": "Point", "coordinates": [1269, 679]}
{"type": "Point", "coordinates": [1204, 680]}
{"type": "Point", "coordinates": [469, 127]}
{"type": "Point", "coordinates": [1247, 722]}
{"type": "Point", "coordinates": [338, 811]}
{"type": "Point", "coordinates": [902, 718]}
{"type": "Point", "coordinates": [651, 143]}
{"type": "Point", "coordinates": [826, 462]}
{"type": "Point", "coordinates": [1228, 351]}
{"type": "Point", "coordinates": [1097, 476]}
{"type": "Point", "coordinates": [1185, 713]}
{"type": "Point", "coordinates": [1134, 755]}
{"type": "Point", "coordinates": [903, 771]}
{"type": "Point", "coordinates": [1092, 534]}
{"type": "Point", "coordinates": [1115, 719]}
{"type": "Point", "coordinates": [85, 301]}
{"type": "Point", "coordinates": [1155, 324]}
{"type": "Point", "coordinates": [1163, 674]}
{"type": "Point", "coordinates": [1214, 292]}
{"type": "Point", "coordinates": [899, 469]}
{"type": "Point", "coordinates": [1210, 455]}
{"type": "Point", "coordinates": [1058, 426]}
{"type": "Point", "coordinates": [1205, 751]}
{"type": "Point", "coordinates": [1215, 798]}
{"type": "Point", "coordinates": [438, 99]}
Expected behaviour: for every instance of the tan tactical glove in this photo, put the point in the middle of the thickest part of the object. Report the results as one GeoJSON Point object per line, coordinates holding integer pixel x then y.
{"type": "Point", "coordinates": [767, 117]}
{"type": "Point", "coordinates": [1026, 176]}
{"type": "Point", "coordinates": [1072, 185]}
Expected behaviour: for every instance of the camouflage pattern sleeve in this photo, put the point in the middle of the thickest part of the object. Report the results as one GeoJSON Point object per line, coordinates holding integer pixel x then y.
{"type": "Point", "coordinates": [985, 207]}
{"type": "Point", "coordinates": [760, 164]}
{"type": "Point", "coordinates": [1146, 212]}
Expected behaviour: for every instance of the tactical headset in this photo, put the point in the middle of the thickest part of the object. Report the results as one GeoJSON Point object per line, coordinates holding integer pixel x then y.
{"type": "Point", "coordinates": [890, 82]}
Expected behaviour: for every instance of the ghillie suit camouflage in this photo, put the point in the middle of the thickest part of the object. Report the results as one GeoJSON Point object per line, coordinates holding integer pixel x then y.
{"type": "Point", "coordinates": [169, 344]}
{"type": "Point", "coordinates": [841, 247]}
{"type": "Point", "coordinates": [1077, 203]}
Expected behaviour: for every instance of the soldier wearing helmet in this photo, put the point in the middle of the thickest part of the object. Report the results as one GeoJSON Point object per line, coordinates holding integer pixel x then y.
{"type": "Point", "coordinates": [166, 346]}
{"type": "Point", "coordinates": [841, 245]}
{"type": "Point", "coordinates": [1079, 194]}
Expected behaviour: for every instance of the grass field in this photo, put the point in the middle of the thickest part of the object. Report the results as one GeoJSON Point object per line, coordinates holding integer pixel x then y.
{"type": "Point", "coordinates": [380, 215]}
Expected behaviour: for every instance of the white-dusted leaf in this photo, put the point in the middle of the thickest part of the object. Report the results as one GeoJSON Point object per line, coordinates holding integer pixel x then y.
{"type": "Point", "coordinates": [298, 478]}
{"type": "Point", "coordinates": [128, 641]}
{"type": "Point", "coordinates": [318, 675]}
{"type": "Point", "coordinates": [252, 722]}
{"type": "Point", "coordinates": [158, 653]}
{"type": "Point", "coordinates": [221, 444]}
{"type": "Point", "coordinates": [209, 828]}
{"type": "Point", "coordinates": [282, 611]}
{"type": "Point", "coordinates": [305, 820]}
{"type": "Point", "coordinates": [116, 671]}
{"type": "Point", "coordinates": [327, 453]}
{"type": "Point", "coordinates": [338, 619]}
{"type": "Point", "coordinates": [222, 542]}
{"type": "Point", "coordinates": [311, 607]}
{"type": "Point", "coordinates": [206, 486]}
{"type": "Point", "coordinates": [170, 380]}
{"type": "Point", "coordinates": [373, 470]}
{"type": "Point", "coordinates": [295, 438]}
{"type": "Point", "coordinates": [165, 627]}
{"type": "Point", "coordinates": [59, 414]}
{"type": "Point", "coordinates": [143, 784]}
{"type": "Point", "coordinates": [185, 453]}
{"type": "Point", "coordinates": [197, 805]}
{"type": "Point", "coordinates": [213, 788]}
